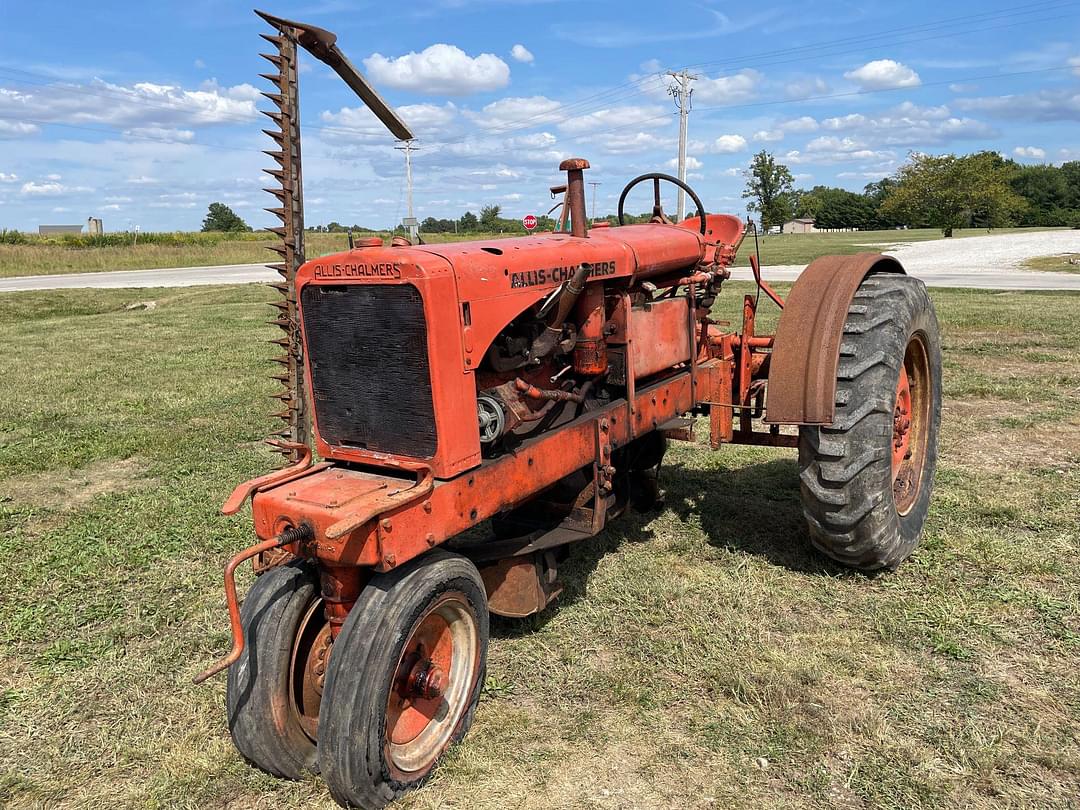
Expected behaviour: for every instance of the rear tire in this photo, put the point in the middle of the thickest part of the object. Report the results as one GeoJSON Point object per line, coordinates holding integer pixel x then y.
{"type": "Point", "coordinates": [866, 479]}
{"type": "Point", "coordinates": [263, 720]}
{"type": "Point", "coordinates": [421, 627]}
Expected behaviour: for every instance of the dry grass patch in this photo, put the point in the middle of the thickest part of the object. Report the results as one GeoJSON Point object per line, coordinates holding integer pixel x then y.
{"type": "Point", "coordinates": [66, 490]}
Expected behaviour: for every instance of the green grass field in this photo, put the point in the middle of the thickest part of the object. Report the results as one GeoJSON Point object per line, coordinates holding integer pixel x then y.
{"type": "Point", "coordinates": [702, 657]}
{"type": "Point", "coordinates": [47, 257]}
{"type": "Point", "coordinates": [1064, 263]}
{"type": "Point", "coordinates": [43, 258]}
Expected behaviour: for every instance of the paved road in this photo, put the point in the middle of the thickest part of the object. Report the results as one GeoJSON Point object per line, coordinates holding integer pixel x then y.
{"type": "Point", "coordinates": [165, 277]}
{"type": "Point", "coordinates": [982, 262]}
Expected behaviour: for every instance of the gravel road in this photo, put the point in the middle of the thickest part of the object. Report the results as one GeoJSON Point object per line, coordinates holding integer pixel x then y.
{"type": "Point", "coordinates": [981, 262]}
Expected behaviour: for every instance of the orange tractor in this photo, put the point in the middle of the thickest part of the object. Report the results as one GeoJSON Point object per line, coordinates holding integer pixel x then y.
{"type": "Point", "coordinates": [529, 387]}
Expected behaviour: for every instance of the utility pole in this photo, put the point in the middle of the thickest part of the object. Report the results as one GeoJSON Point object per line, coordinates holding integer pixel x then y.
{"type": "Point", "coordinates": [410, 220]}
{"type": "Point", "coordinates": [594, 184]}
{"type": "Point", "coordinates": [681, 92]}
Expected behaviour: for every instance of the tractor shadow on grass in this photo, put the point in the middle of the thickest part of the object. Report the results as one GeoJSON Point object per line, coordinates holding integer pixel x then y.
{"type": "Point", "coordinates": [752, 509]}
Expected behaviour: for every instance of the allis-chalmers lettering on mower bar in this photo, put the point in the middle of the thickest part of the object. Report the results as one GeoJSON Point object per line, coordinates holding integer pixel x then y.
{"type": "Point", "coordinates": [358, 270]}
{"type": "Point", "coordinates": [557, 275]}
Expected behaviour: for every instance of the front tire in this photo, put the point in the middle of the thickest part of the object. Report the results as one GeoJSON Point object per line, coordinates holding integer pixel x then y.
{"type": "Point", "coordinates": [273, 692]}
{"type": "Point", "coordinates": [404, 679]}
{"type": "Point", "coordinates": [866, 479]}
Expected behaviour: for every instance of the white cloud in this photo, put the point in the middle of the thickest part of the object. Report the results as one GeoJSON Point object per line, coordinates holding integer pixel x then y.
{"type": "Point", "coordinates": [16, 129]}
{"type": "Point", "coordinates": [883, 74]}
{"type": "Point", "coordinates": [618, 117]}
{"type": "Point", "coordinates": [526, 111]}
{"type": "Point", "coordinates": [802, 124]}
{"type": "Point", "coordinates": [160, 134]}
{"type": "Point", "coordinates": [833, 149]}
{"type": "Point", "coordinates": [439, 69]}
{"type": "Point", "coordinates": [1045, 105]}
{"type": "Point", "coordinates": [692, 163]}
{"type": "Point", "coordinates": [111, 207]}
{"type": "Point", "coordinates": [910, 125]}
{"type": "Point", "coordinates": [651, 66]}
{"type": "Point", "coordinates": [51, 189]}
{"type": "Point", "coordinates": [359, 123]}
{"type": "Point", "coordinates": [806, 87]}
{"type": "Point", "coordinates": [1075, 62]}
{"type": "Point", "coordinates": [53, 177]}
{"type": "Point", "coordinates": [143, 104]}
{"type": "Point", "coordinates": [118, 199]}
{"type": "Point", "coordinates": [141, 180]}
{"type": "Point", "coordinates": [521, 53]}
{"type": "Point", "coordinates": [620, 143]}
{"type": "Point", "coordinates": [199, 63]}
{"type": "Point", "coordinates": [768, 135]}
{"type": "Point", "coordinates": [727, 89]}
{"type": "Point", "coordinates": [8, 178]}
{"type": "Point", "coordinates": [734, 171]}
{"type": "Point", "coordinates": [1032, 152]}
{"type": "Point", "coordinates": [728, 144]}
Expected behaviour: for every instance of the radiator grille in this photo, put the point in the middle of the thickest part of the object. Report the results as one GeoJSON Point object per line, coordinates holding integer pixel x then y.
{"type": "Point", "coordinates": [367, 345]}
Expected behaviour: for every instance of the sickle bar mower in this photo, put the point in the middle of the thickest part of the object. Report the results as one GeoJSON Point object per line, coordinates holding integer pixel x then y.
{"type": "Point", "coordinates": [528, 387]}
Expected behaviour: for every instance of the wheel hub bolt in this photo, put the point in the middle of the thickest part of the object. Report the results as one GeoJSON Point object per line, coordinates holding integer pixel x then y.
{"type": "Point", "coordinates": [427, 680]}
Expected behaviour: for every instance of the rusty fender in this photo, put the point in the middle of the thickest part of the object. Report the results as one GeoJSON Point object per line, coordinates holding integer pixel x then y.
{"type": "Point", "coordinates": [806, 349]}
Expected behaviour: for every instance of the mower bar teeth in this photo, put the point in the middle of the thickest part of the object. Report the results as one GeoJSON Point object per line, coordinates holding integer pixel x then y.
{"type": "Point", "coordinates": [289, 209]}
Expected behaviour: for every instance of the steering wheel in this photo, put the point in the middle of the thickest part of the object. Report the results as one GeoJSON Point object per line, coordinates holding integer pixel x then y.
{"type": "Point", "coordinates": [658, 211]}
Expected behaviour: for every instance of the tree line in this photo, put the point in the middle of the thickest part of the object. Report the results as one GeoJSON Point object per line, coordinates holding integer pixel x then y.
{"type": "Point", "coordinates": [981, 190]}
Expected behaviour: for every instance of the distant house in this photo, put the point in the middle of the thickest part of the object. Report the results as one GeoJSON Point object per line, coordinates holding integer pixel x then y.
{"type": "Point", "coordinates": [800, 225]}
{"type": "Point", "coordinates": [55, 230]}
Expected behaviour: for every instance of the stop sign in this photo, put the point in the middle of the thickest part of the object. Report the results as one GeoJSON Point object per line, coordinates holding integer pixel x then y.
{"type": "Point", "coordinates": [529, 221]}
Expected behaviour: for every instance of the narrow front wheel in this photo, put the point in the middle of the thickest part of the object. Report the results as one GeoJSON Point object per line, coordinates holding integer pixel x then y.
{"type": "Point", "coordinates": [404, 679]}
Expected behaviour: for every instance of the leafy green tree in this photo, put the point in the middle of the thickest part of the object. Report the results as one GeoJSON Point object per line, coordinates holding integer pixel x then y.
{"type": "Point", "coordinates": [875, 193]}
{"type": "Point", "coordinates": [489, 217]}
{"type": "Point", "coordinates": [949, 192]}
{"type": "Point", "coordinates": [468, 222]}
{"type": "Point", "coordinates": [835, 208]}
{"type": "Point", "coordinates": [220, 217]}
{"type": "Point", "coordinates": [1046, 191]}
{"type": "Point", "coordinates": [770, 189]}
{"type": "Point", "coordinates": [1071, 172]}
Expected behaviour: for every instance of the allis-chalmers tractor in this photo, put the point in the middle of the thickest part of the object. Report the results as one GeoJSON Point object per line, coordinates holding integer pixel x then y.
{"type": "Point", "coordinates": [527, 387]}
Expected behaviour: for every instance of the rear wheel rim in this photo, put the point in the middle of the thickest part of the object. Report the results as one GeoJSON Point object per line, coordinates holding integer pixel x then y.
{"type": "Point", "coordinates": [432, 684]}
{"type": "Point", "coordinates": [307, 668]}
{"type": "Point", "coordinates": [911, 424]}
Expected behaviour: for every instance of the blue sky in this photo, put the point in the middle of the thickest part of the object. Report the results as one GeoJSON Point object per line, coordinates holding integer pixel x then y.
{"type": "Point", "coordinates": [145, 113]}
